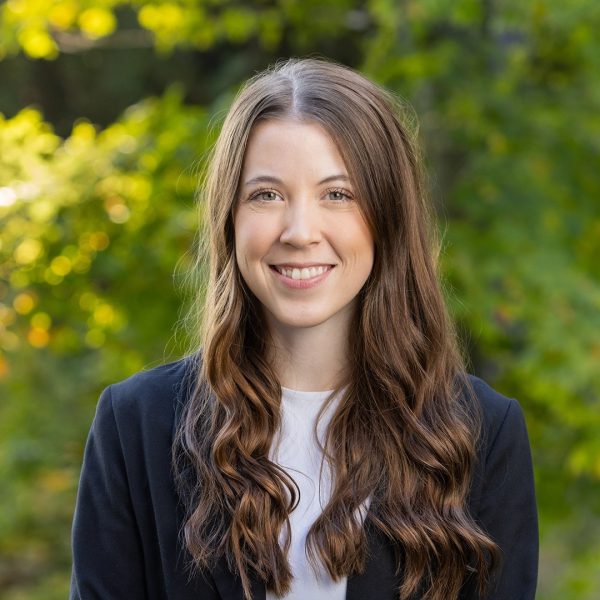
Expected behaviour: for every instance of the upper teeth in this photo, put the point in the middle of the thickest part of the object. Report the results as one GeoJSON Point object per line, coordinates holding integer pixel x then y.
{"type": "Point", "coordinates": [306, 273]}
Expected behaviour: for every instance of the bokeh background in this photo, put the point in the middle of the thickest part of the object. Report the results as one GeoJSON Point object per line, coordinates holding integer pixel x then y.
{"type": "Point", "coordinates": [107, 110]}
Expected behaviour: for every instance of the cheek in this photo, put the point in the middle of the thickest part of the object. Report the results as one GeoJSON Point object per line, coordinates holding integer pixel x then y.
{"type": "Point", "coordinates": [359, 241]}
{"type": "Point", "coordinates": [252, 239]}
{"type": "Point", "coordinates": [367, 244]}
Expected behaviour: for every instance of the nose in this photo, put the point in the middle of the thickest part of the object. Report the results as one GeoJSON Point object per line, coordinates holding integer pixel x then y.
{"type": "Point", "coordinates": [302, 225]}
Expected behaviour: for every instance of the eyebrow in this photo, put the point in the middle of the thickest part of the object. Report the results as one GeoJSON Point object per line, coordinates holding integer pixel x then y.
{"type": "Point", "coordinates": [270, 179]}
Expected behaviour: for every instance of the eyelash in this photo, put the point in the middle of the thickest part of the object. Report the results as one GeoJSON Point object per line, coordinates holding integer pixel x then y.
{"type": "Point", "coordinates": [347, 196]}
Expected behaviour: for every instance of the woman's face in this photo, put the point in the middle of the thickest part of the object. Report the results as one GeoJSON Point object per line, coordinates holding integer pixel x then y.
{"type": "Point", "coordinates": [301, 243]}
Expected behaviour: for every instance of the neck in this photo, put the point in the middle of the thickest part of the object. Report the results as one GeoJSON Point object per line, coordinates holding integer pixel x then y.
{"type": "Point", "coordinates": [310, 358]}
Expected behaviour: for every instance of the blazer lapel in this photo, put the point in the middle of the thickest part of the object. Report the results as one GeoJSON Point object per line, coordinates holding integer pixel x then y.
{"type": "Point", "coordinates": [378, 581]}
{"type": "Point", "coordinates": [229, 585]}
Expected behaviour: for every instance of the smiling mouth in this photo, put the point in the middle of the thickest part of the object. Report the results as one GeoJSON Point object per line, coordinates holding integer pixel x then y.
{"type": "Point", "coordinates": [302, 273]}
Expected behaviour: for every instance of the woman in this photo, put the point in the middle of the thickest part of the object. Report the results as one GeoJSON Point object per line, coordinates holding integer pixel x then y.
{"type": "Point", "coordinates": [326, 441]}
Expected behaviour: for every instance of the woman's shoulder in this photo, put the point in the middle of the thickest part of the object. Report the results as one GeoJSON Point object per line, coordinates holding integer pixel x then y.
{"type": "Point", "coordinates": [151, 395]}
{"type": "Point", "coordinates": [492, 402]}
{"type": "Point", "coordinates": [502, 416]}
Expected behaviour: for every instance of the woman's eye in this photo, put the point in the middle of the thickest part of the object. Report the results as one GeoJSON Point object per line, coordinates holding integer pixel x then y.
{"type": "Point", "coordinates": [338, 195]}
{"type": "Point", "coordinates": [265, 196]}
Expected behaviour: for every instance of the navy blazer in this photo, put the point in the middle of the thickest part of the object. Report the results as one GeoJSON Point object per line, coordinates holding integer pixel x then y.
{"type": "Point", "coordinates": [127, 517]}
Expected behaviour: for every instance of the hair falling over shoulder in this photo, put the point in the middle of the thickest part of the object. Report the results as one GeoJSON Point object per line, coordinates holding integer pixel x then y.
{"type": "Point", "coordinates": [406, 429]}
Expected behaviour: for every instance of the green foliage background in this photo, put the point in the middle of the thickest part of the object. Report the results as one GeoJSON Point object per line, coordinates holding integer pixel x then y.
{"type": "Point", "coordinates": [107, 109]}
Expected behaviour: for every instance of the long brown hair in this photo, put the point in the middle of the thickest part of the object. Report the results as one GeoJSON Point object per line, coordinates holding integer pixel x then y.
{"type": "Point", "coordinates": [406, 429]}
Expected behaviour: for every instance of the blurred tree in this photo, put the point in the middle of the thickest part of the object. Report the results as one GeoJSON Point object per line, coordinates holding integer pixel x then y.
{"type": "Point", "coordinates": [97, 214]}
{"type": "Point", "coordinates": [92, 229]}
{"type": "Point", "coordinates": [91, 52]}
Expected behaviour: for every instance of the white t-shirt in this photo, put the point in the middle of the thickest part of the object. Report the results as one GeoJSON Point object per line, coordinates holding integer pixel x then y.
{"type": "Point", "coordinates": [295, 449]}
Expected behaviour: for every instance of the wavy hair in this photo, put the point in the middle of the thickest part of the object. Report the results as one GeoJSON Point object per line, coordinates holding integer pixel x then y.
{"type": "Point", "coordinates": [406, 429]}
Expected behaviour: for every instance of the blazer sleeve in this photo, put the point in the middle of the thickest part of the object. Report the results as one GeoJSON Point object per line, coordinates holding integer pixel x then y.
{"type": "Point", "coordinates": [507, 508]}
{"type": "Point", "coordinates": [107, 553]}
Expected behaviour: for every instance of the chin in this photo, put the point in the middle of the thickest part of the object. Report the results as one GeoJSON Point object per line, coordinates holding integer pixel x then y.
{"type": "Point", "coordinates": [301, 323]}
{"type": "Point", "coordinates": [299, 320]}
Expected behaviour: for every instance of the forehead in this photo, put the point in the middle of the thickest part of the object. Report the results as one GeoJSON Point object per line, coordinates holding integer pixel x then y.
{"type": "Point", "coordinates": [291, 145]}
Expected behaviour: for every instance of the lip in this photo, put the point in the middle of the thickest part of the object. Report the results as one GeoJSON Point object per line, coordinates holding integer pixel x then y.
{"type": "Point", "coordinates": [301, 284]}
{"type": "Point", "coordinates": [301, 265]}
